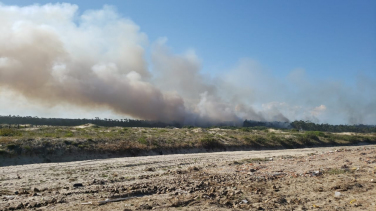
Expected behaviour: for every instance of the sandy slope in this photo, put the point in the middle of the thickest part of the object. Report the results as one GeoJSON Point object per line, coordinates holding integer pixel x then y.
{"type": "Point", "coordinates": [294, 179]}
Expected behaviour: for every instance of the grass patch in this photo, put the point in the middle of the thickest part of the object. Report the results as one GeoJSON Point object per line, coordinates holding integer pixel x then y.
{"type": "Point", "coordinates": [69, 134]}
{"type": "Point", "coordinates": [336, 171]}
{"type": "Point", "coordinates": [9, 132]}
{"type": "Point", "coordinates": [251, 160]}
{"type": "Point", "coordinates": [142, 140]}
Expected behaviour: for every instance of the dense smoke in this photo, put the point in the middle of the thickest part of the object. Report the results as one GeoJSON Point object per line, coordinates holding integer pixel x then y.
{"type": "Point", "coordinates": [54, 55]}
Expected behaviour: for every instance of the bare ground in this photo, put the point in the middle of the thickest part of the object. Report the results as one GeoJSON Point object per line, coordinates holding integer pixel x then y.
{"type": "Point", "coordinates": [294, 179]}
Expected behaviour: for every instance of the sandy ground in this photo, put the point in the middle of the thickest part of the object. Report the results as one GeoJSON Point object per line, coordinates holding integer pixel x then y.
{"type": "Point", "coordinates": [294, 179]}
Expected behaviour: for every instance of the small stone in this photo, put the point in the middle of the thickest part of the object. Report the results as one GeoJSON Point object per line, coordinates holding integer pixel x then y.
{"type": "Point", "coordinates": [337, 194]}
{"type": "Point", "coordinates": [76, 185]}
{"type": "Point", "coordinates": [36, 190]}
{"type": "Point", "coordinates": [33, 194]}
{"type": "Point", "coordinates": [19, 206]}
{"type": "Point", "coordinates": [33, 204]}
{"type": "Point", "coordinates": [145, 207]}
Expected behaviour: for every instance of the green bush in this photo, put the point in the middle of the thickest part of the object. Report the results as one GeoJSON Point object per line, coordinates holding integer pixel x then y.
{"type": "Point", "coordinates": [9, 132]}
{"type": "Point", "coordinates": [249, 129]}
{"type": "Point", "coordinates": [27, 148]}
{"type": "Point", "coordinates": [289, 143]}
{"type": "Point", "coordinates": [275, 138]}
{"type": "Point", "coordinates": [210, 143]}
{"type": "Point", "coordinates": [352, 139]}
{"type": "Point", "coordinates": [142, 140]}
{"type": "Point", "coordinates": [260, 139]}
{"type": "Point", "coordinates": [246, 129]}
{"type": "Point", "coordinates": [257, 140]}
{"type": "Point", "coordinates": [315, 133]}
{"type": "Point", "coordinates": [50, 135]}
{"type": "Point", "coordinates": [307, 139]}
{"type": "Point", "coordinates": [260, 128]}
{"type": "Point", "coordinates": [69, 134]}
{"type": "Point", "coordinates": [311, 136]}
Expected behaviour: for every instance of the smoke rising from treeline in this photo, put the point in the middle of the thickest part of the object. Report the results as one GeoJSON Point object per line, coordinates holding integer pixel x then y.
{"type": "Point", "coordinates": [52, 54]}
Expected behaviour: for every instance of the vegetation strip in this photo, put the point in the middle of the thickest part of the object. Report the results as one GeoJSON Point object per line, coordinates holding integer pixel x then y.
{"type": "Point", "coordinates": [54, 143]}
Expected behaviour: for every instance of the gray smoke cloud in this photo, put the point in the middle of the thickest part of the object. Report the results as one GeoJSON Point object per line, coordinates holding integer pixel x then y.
{"type": "Point", "coordinates": [53, 55]}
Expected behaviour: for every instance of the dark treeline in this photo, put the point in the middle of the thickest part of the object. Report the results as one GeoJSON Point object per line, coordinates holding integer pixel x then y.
{"type": "Point", "coordinates": [16, 120]}
{"type": "Point", "coordinates": [298, 125]}
{"type": "Point", "coordinates": [275, 124]}
{"type": "Point", "coordinates": [310, 126]}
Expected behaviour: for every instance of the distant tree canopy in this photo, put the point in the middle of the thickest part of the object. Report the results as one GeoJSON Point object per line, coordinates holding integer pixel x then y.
{"type": "Point", "coordinates": [310, 126]}
{"type": "Point", "coordinates": [275, 124]}
{"type": "Point", "coordinates": [299, 125]}
{"type": "Point", "coordinates": [74, 122]}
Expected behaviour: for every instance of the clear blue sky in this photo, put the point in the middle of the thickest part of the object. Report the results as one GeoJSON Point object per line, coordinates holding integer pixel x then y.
{"type": "Point", "coordinates": [329, 39]}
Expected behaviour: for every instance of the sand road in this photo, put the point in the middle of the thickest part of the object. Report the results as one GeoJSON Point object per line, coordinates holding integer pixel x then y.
{"type": "Point", "coordinates": [292, 179]}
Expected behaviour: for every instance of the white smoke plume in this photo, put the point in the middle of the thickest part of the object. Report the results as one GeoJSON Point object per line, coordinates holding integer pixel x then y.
{"type": "Point", "coordinates": [53, 55]}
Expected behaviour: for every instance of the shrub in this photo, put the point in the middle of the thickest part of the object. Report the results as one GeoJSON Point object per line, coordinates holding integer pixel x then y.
{"type": "Point", "coordinates": [275, 138]}
{"type": "Point", "coordinates": [315, 133]}
{"type": "Point", "coordinates": [210, 143]}
{"type": "Point", "coordinates": [249, 129]}
{"type": "Point", "coordinates": [69, 134]}
{"type": "Point", "coordinates": [311, 136]}
{"type": "Point", "coordinates": [257, 140]}
{"type": "Point", "coordinates": [27, 148]}
{"type": "Point", "coordinates": [49, 135]}
{"type": "Point", "coordinates": [307, 139]}
{"type": "Point", "coordinates": [260, 128]}
{"type": "Point", "coordinates": [188, 126]}
{"type": "Point", "coordinates": [12, 146]}
{"type": "Point", "coordinates": [352, 139]}
{"type": "Point", "coordinates": [288, 142]}
{"type": "Point", "coordinates": [142, 140]}
{"type": "Point", "coordinates": [46, 143]}
{"type": "Point", "coordinates": [67, 142]}
{"type": "Point", "coordinates": [3, 152]}
{"type": "Point", "coordinates": [9, 132]}
{"type": "Point", "coordinates": [246, 129]}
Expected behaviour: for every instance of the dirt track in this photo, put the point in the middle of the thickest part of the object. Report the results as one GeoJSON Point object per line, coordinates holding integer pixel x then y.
{"type": "Point", "coordinates": [296, 179]}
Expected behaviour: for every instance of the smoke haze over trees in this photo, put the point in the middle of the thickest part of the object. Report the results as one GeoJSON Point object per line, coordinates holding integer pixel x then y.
{"type": "Point", "coordinates": [15, 121]}
{"type": "Point", "coordinates": [55, 55]}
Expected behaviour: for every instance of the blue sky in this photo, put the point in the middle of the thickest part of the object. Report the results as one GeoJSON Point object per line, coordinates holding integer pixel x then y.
{"type": "Point", "coordinates": [268, 60]}
{"type": "Point", "coordinates": [329, 39]}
